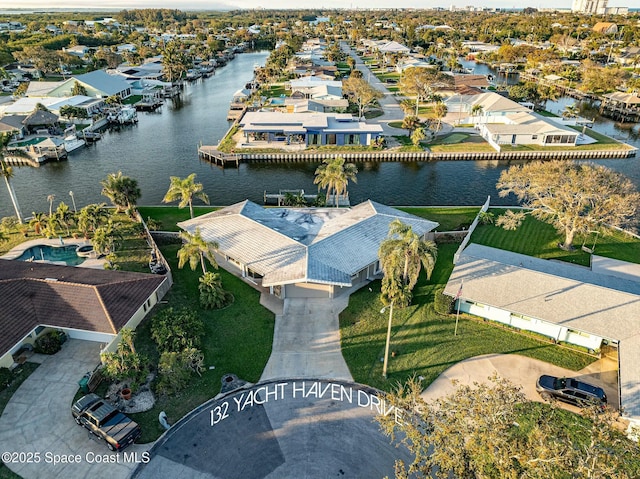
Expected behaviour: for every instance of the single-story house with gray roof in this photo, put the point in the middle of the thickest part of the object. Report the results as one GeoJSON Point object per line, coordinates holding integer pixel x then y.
{"type": "Point", "coordinates": [98, 84]}
{"type": "Point", "coordinates": [303, 252]}
{"type": "Point", "coordinates": [597, 307]}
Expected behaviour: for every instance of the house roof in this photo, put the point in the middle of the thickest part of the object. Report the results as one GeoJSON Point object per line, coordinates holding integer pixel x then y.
{"type": "Point", "coordinates": [67, 297]}
{"type": "Point", "coordinates": [598, 302]}
{"type": "Point", "coordinates": [272, 121]}
{"type": "Point", "coordinates": [491, 102]}
{"type": "Point", "coordinates": [470, 81]}
{"type": "Point", "coordinates": [393, 47]}
{"type": "Point", "coordinates": [40, 117]}
{"type": "Point", "coordinates": [42, 88]}
{"type": "Point", "coordinates": [626, 98]}
{"type": "Point", "coordinates": [103, 82]}
{"type": "Point", "coordinates": [527, 123]}
{"type": "Point", "coordinates": [287, 245]}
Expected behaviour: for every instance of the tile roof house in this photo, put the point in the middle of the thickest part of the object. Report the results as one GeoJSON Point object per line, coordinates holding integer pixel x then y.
{"type": "Point", "coordinates": [307, 251]}
{"type": "Point", "coordinates": [85, 303]}
{"type": "Point", "coordinates": [591, 307]}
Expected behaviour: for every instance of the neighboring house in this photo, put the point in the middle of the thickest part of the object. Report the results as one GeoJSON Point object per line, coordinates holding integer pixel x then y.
{"type": "Point", "coordinates": [77, 50]}
{"type": "Point", "coordinates": [85, 303]}
{"type": "Point", "coordinates": [311, 85]}
{"type": "Point", "coordinates": [502, 121]}
{"type": "Point", "coordinates": [474, 81]}
{"type": "Point", "coordinates": [26, 105]}
{"type": "Point", "coordinates": [629, 56]}
{"type": "Point", "coordinates": [13, 125]}
{"type": "Point", "coordinates": [606, 28]}
{"type": "Point", "coordinates": [306, 252]}
{"type": "Point", "coordinates": [98, 84]}
{"type": "Point", "coordinates": [308, 128]}
{"type": "Point", "coordinates": [597, 307]}
{"type": "Point", "coordinates": [413, 62]}
{"type": "Point", "coordinates": [302, 105]}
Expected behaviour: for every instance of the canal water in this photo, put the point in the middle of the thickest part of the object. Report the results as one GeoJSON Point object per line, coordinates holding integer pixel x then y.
{"type": "Point", "coordinates": [164, 143]}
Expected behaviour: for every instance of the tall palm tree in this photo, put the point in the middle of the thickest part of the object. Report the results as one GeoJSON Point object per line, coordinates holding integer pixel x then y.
{"type": "Point", "coordinates": [402, 255]}
{"type": "Point", "coordinates": [7, 173]}
{"type": "Point", "coordinates": [334, 175]}
{"type": "Point", "coordinates": [477, 109]}
{"type": "Point", "coordinates": [64, 216]}
{"type": "Point", "coordinates": [184, 189]}
{"type": "Point", "coordinates": [50, 199]}
{"type": "Point", "coordinates": [123, 191]}
{"type": "Point", "coordinates": [440, 111]}
{"type": "Point", "coordinates": [195, 248]}
{"type": "Point", "coordinates": [38, 222]}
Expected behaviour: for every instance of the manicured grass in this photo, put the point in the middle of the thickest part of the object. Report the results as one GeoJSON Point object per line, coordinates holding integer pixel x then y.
{"type": "Point", "coordinates": [424, 341]}
{"type": "Point", "coordinates": [168, 216]}
{"type": "Point", "coordinates": [237, 340]}
{"type": "Point", "coordinates": [395, 124]}
{"type": "Point", "coordinates": [133, 99]}
{"type": "Point", "coordinates": [472, 145]}
{"type": "Point", "coordinates": [535, 238]}
{"type": "Point", "coordinates": [450, 219]}
{"type": "Point", "coordinates": [276, 90]}
{"type": "Point", "coordinates": [546, 113]}
{"type": "Point", "coordinates": [454, 138]}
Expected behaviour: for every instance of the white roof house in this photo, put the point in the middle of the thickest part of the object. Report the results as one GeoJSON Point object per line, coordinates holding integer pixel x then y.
{"type": "Point", "coordinates": [98, 84]}
{"type": "Point", "coordinates": [602, 303]}
{"type": "Point", "coordinates": [324, 246]}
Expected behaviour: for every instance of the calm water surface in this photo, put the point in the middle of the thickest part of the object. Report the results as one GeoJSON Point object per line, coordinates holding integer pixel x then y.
{"type": "Point", "coordinates": [164, 144]}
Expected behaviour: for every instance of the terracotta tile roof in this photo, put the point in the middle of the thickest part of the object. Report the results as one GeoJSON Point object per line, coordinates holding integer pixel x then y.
{"type": "Point", "coordinates": [67, 297]}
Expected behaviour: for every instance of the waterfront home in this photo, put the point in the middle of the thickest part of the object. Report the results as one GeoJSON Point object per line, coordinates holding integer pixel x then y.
{"type": "Point", "coordinates": [302, 105]}
{"type": "Point", "coordinates": [312, 86]}
{"type": "Point", "coordinates": [84, 303]}
{"type": "Point", "coordinates": [13, 125]}
{"type": "Point", "coordinates": [597, 308]}
{"type": "Point", "coordinates": [502, 121]}
{"type": "Point", "coordinates": [26, 105]}
{"type": "Point", "coordinates": [303, 252]}
{"type": "Point", "coordinates": [98, 84]}
{"type": "Point", "coordinates": [308, 129]}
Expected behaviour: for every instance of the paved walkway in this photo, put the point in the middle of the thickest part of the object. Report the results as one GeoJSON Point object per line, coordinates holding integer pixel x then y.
{"type": "Point", "coordinates": [306, 341]}
{"type": "Point", "coordinates": [38, 420]}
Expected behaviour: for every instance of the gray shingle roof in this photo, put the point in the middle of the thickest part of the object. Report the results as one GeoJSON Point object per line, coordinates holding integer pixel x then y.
{"type": "Point", "coordinates": [575, 297]}
{"type": "Point", "coordinates": [295, 245]}
{"type": "Point", "coordinates": [102, 81]}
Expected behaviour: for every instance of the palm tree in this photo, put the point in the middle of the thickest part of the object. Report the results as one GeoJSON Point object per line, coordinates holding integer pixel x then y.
{"type": "Point", "coordinates": [410, 123]}
{"type": "Point", "coordinates": [50, 199]}
{"type": "Point", "coordinates": [334, 175]}
{"type": "Point", "coordinates": [401, 256]}
{"type": "Point", "coordinates": [212, 294]}
{"type": "Point", "coordinates": [7, 173]}
{"type": "Point", "coordinates": [184, 189]}
{"type": "Point", "coordinates": [571, 111]}
{"type": "Point", "coordinates": [440, 111]}
{"type": "Point", "coordinates": [91, 217]}
{"type": "Point", "coordinates": [38, 222]}
{"type": "Point", "coordinates": [64, 216]}
{"type": "Point", "coordinates": [477, 109]}
{"type": "Point", "coordinates": [195, 248]}
{"type": "Point", "coordinates": [123, 191]}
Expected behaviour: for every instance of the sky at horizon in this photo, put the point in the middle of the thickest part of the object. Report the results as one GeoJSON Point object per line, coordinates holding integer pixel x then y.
{"type": "Point", "coordinates": [275, 4]}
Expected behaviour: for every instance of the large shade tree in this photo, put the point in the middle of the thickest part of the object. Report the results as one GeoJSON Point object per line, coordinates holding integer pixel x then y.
{"type": "Point", "coordinates": [195, 249]}
{"type": "Point", "coordinates": [183, 190]}
{"type": "Point", "coordinates": [6, 172]}
{"type": "Point", "coordinates": [576, 198]}
{"type": "Point", "coordinates": [334, 175]}
{"type": "Point", "coordinates": [123, 191]}
{"type": "Point", "coordinates": [361, 93]}
{"type": "Point", "coordinates": [491, 431]}
{"type": "Point", "coordinates": [422, 83]}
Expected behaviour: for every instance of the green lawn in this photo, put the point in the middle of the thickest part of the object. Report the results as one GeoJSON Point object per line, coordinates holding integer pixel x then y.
{"type": "Point", "coordinates": [535, 238]}
{"type": "Point", "coordinates": [423, 340]}
{"type": "Point", "coordinates": [450, 219]}
{"type": "Point", "coordinates": [237, 340]}
{"type": "Point", "coordinates": [168, 216]}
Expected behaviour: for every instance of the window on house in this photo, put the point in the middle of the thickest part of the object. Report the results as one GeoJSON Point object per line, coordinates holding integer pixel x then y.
{"type": "Point", "coordinates": [314, 139]}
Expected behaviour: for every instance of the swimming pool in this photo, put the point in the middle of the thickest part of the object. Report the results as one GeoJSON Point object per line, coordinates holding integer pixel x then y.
{"type": "Point", "coordinates": [276, 101]}
{"type": "Point", "coordinates": [63, 253]}
{"type": "Point", "coordinates": [32, 141]}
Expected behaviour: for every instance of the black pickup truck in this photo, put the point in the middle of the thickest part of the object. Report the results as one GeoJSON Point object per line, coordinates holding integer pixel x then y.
{"type": "Point", "coordinates": [104, 421]}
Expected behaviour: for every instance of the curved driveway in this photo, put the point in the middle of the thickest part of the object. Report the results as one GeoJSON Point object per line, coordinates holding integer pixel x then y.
{"type": "Point", "coordinates": [38, 420]}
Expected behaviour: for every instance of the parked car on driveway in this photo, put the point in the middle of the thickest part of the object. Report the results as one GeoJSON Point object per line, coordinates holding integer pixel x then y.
{"type": "Point", "coordinates": [105, 422]}
{"type": "Point", "coordinates": [570, 390]}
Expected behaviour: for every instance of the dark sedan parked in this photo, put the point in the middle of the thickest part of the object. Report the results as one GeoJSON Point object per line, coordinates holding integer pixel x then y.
{"type": "Point", "coordinates": [570, 390]}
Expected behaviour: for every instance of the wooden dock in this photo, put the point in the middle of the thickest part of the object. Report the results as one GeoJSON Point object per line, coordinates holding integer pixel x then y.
{"type": "Point", "coordinates": [236, 111]}
{"type": "Point", "coordinates": [279, 198]}
{"type": "Point", "coordinates": [213, 155]}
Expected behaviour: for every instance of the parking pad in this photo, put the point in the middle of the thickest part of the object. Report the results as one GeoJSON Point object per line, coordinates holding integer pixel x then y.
{"type": "Point", "coordinates": [280, 429]}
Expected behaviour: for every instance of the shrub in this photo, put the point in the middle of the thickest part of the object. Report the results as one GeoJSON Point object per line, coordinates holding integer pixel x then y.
{"type": "Point", "coordinates": [5, 377]}
{"type": "Point", "coordinates": [126, 364]}
{"type": "Point", "coordinates": [443, 304]}
{"type": "Point", "coordinates": [173, 373]}
{"type": "Point", "coordinates": [212, 295]}
{"type": "Point", "coordinates": [177, 330]}
{"type": "Point", "coordinates": [49, 343]}
{"type": "Point", "coordinates": [9, 223]}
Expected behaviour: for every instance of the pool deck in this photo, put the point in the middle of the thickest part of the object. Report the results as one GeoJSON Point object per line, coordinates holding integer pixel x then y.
{"type": "Point", "coordinates": [16, 251]}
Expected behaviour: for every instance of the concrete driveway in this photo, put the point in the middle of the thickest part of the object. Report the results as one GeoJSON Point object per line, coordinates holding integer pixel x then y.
{"type": "Point", "coordinates": [306, 341]}
{"type": "Point", "coordinates": [524, 372]}
{"type": "Point", "coordinates": [38, 420]}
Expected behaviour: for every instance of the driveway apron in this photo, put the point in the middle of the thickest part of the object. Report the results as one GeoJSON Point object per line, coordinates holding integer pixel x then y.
{"type": "Point", "coordinates": [306, 341]}
{"type": "Point", "coordinates": [38, 420]}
